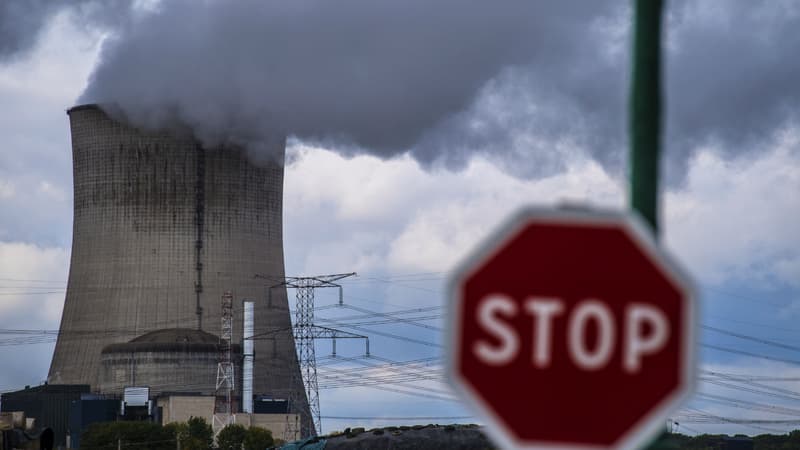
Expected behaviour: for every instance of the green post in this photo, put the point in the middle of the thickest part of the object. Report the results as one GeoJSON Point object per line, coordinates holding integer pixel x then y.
{"type": "Point", "coordinates": [645, 110]}
{"type": "Point", "coordinates": [645, 127]}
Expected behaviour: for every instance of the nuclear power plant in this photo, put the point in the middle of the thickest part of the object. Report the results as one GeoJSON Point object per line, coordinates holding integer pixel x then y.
{"type": "Point", "coordinates": [162, 229]}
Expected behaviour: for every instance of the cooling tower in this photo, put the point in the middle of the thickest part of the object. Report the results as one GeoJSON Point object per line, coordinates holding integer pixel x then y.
{"type": "Point", "coordinates": [162, 228]}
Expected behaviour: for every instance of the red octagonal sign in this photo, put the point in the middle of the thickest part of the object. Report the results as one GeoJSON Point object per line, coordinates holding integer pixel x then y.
{"type": "Point", "coordinates": [572, 329]}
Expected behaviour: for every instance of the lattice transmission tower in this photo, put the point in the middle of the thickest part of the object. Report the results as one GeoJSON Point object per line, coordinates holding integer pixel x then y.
{"type": "Point", "coordinates": [223, 412]}
{"type": "Point", "coordinates": [305, 333]}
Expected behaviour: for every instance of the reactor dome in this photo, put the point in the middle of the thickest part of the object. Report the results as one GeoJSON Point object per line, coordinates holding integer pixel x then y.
{"type": "Point", "coordinates": [174, 360]}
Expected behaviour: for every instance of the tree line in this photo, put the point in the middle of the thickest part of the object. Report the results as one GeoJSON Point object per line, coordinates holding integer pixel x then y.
{"type": "Point", "coordinates": [677, 441]}
{"type": "Point", "coordinates": [195, 434]}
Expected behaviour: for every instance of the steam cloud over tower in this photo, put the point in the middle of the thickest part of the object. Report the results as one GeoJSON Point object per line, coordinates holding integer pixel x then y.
{"type": "Point", "coordinates": [162, 228]}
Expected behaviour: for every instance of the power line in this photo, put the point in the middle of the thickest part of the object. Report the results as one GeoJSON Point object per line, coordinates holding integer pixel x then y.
{"type": "Point", "coordinates": [703, 417]}
{"type": "Point", "coordinates": [398, 418]}
{"type": "Point", "coordinates": [392, 317]}
{"type": "Point", "coordinates": [373, 374]}
{"type": "Point", "coordinates": [751, 338]}
{"type": "Point", "coordinates": [389, 335]}
{"type": "Point", "coordinates": [766, 378]}
{"type": "Point", "coordinates": [379, 384]}
{"type": "Point", "coordinates": [408, 286]}
{"type": "Point", "coordinates": [744, 353]}
{"type": "Point", "coordinates": [417, 276]}
{"type": "Point", "coordinates": [396, 312]}
{"type": "Point", "coordinates": [32, 293]}
{"type": "Point", "coordinates": [753, 390]}
{"type": "Point", "coordinates": [33, 281]}
{"type": "Point", "coordinates": [754, 324]}
{"type": "Point", "coordinates": [751, 383]}
{"type": "Point", "coordinates": [31, 286]}
{"type": "Point", "coordinates": [748, 405]}
{"type": "Point", "coordinates": [743, 297]}
{"type": "Point", "coordinates": [392, 321]}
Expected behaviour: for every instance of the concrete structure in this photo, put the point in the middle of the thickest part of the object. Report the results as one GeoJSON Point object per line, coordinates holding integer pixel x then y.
{"type": "Point", "coordinates": [180, 408]}
{"type": "Point", "coordinates": [275, 423]}
{"type": "Point", "coordinates": [162, 228]}
{"type": "Point", "coordinates": [172, 360]}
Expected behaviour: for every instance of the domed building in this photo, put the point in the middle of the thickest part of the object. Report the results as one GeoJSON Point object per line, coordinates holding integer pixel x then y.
{"type": "Point", "coordinates": [167, 361]}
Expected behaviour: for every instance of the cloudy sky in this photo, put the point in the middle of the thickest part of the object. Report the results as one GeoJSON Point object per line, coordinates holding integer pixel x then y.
{"type": "Point", "coordinates": [415, 130]}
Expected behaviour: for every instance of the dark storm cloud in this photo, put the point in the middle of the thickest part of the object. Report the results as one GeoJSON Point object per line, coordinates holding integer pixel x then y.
{"type": "Point", "coordinates": [22, 21]}
{"type": "Point", "coordinates": [730, 81]}
{"type": "Point", "coordinates": [524, 83]}
{"type": "Point", "coordinates": [733, 73]}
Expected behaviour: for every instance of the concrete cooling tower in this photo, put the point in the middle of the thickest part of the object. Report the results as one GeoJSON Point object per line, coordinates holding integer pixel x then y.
{"type": "Point", "coordinates": [162, 228]}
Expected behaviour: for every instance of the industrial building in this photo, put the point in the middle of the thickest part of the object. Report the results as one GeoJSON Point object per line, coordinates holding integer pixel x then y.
{"type": "Point", "coordinates": [48, 404]}
{"type": "Point", "coordinates": [67, 411]}
{"type": "Point", "coordinates": [162, 229]}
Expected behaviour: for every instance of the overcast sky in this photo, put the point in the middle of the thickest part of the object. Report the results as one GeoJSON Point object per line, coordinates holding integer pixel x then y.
{"type": "Point", "coordinates": [467, 112]}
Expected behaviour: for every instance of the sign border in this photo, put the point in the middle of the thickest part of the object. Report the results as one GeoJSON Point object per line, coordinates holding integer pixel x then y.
{"type": "Point", "coordinates": [631, 223]}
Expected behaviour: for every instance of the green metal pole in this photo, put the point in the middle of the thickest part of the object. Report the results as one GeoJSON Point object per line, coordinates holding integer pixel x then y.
{"type": "Point", "coordinates": [645, 110]}
{"type": "Point", "coordinates": [645, 127]}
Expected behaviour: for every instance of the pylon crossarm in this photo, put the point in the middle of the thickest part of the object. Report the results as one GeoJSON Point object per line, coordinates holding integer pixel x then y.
{"type": "Point", "coordinates": [317, 281]}
{"type": "Point", "coordinates": [270, 334]}
{"type": "Point", "coordinates": [319, 332]}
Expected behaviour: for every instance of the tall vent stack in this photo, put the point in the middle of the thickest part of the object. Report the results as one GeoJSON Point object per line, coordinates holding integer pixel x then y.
{"type": "Point", "coordinates": [162, 228]}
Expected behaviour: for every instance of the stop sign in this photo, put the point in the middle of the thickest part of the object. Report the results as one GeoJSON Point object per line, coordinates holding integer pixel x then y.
{"type": "Point", "coordinates": [571, 329]}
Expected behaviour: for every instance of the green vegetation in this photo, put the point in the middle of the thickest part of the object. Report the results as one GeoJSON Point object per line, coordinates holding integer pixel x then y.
{"type": "Point", "coordinates": [258, 439]}
{"type": "Point", "coordinates": [231, 437]}
{"type": "Point", "coordinates": [676, 441]}
{"type": "Point", "coordinates": [196, 434]}
{"type": "Point", "coordinates": [131, 435]}
{"type": "Point", "coordinates": [237, 437]}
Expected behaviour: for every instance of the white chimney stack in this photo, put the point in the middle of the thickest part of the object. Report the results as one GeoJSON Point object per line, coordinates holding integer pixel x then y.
{"type": "Point", "coordinates": [247, 366]}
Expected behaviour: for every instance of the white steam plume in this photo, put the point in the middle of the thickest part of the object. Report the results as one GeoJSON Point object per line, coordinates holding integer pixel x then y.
{"type": "Point", "coordinates": [361, 75]}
